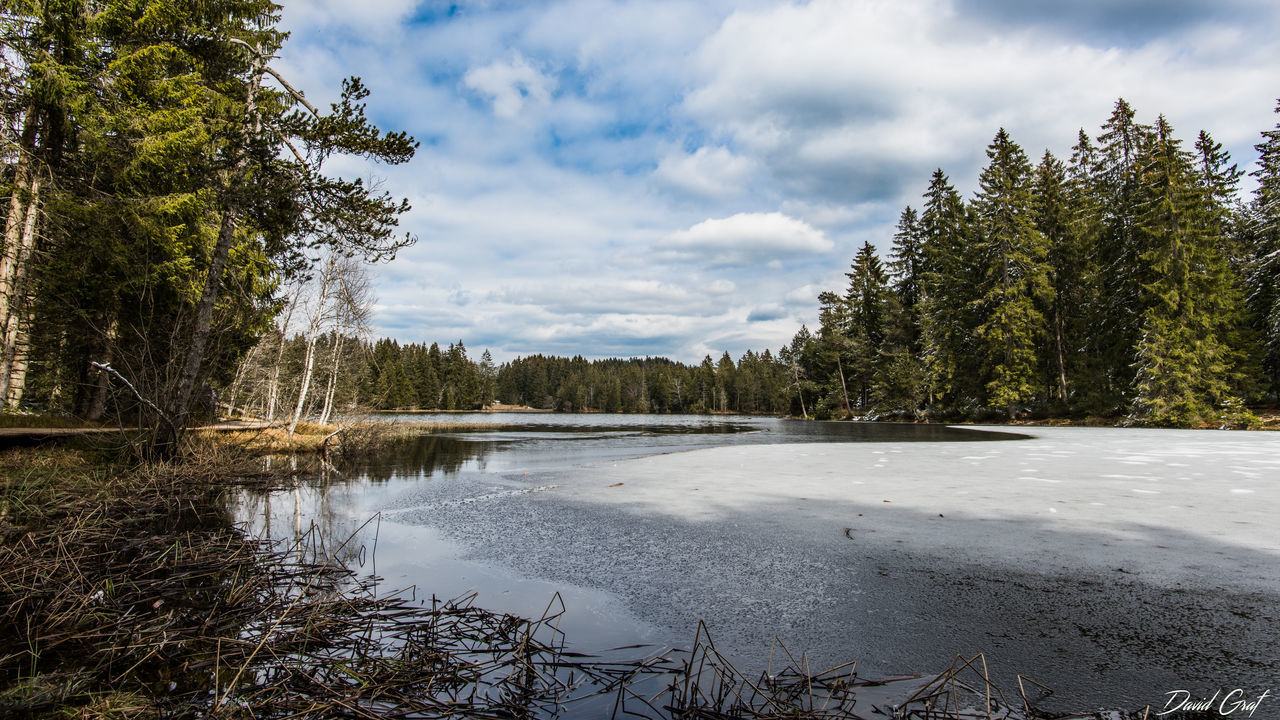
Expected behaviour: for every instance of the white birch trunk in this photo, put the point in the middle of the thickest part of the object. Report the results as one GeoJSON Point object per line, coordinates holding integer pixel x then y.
{"type": "Point", "coordinates": [13, 361]}
{"type": "Point", "coordinates": [313, 332]}
{"type": "Point", "coordinates": [20, 205]}
{"type": "Point", "coordinates": [333, 375]}
{"type": "Point", "coordinates": [273, 387]}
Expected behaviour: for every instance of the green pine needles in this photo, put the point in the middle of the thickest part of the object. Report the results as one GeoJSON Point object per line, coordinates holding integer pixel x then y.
{"type": "Point", "coordinates": [1130, 282]}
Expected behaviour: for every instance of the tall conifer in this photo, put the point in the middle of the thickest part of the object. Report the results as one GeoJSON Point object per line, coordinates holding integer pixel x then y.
{"type": "Point", "coordinates": [949, 295]}
{"type": "Point", "coordinates": [1016, 285]}
{"type": "Point", "coordinates": [1184, 362]}
{"type": "Point", "coordinates": [1053, 219]}
{"type": "Point", "coordinates": [907, 269]}
{"type": "Point", "coordinates": [1117, 180]}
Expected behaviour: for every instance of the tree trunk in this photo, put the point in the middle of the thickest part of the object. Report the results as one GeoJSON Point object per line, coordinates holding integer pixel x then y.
{"type": "Point", "coordinates": [330, 390]}
{"type": "Point", "coordinates": [799, 392]}
{"type": "Point", "coordinates": [848, 411]}
{"type": "Point", "coordinates": [1062, 365]}
{"type": "Point", "coordinates": [307, 365]}
{"type": "Point", "coordinates": [238, 381]}
{"type": "Point", "coordinates": [313, 333]}
{"type": "Point", "coordinates": [273, 387]}
{"type": "Point", "coordinates": [15, 317]}
{"type": "Point", "coordinates": [20, 205]}
{"type": "Point", "coordinates": [169, 431]}
{"type": "Point", "coordinates": [98, 396]}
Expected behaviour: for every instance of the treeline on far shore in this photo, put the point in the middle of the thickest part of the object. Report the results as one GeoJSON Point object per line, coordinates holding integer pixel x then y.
{"type": "Point", "coordinates": [1131, 282]}
{"type": "Point", "coordinates": [388, 375]}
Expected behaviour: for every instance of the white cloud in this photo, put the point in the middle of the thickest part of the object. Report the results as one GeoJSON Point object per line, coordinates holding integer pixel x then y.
{"type": "Point", "coordinates": [721, 287]}
{"type": "Point", "coordinates": [710, 172]}
{"type": "Point", "coordinates": [860, 101]}
{"type": "Point", "coordinates": [510, 84]}
{"type": "Point", "coordinates": [368, 18]}
{"type": "Point", "coordinates": [618, 297]}
{"type": "Point", "coordinates": [804, 295]}
{"type": "Point", "coordinates": [746, 238]}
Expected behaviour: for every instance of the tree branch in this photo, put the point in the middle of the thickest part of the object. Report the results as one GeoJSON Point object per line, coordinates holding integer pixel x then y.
{"type": "Point", "coordinates": [106, 367]}
{"type": "Point", "coordinates": [297, 94]}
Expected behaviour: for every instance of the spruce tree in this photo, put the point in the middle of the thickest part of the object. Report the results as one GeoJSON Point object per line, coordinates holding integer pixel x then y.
{"type": "Point", "coordinates": [1090, 377]}
{"type": "Point", "coordinates": [868, 299]}
{"type": "Point", "coordinates": [907, 269]}
{"type": "Point", "coordinates": [1183, 359]}
{"type": "Point", "coordinates": [1220, 178]}
{"type": "Point", "coordinates": [950, 294]}
{"type": "Point", "coordinates": [1016, 285]}
{"type": "Point", "coordinates": [1116, 178]}
{"type": "Point", "coordinates": [1065, 260]}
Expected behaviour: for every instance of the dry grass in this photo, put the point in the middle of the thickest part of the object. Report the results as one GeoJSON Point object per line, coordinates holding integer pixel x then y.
{"type": "Point", "coordinates": [22, 420]}
{"type": "Point", "coordinates": [1269, 419]}
{"type": "Point", "coordinates": [348, 440]}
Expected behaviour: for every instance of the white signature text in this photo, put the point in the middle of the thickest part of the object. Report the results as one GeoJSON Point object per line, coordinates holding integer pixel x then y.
{"type": "Point", "coordinates": [1225, 703]}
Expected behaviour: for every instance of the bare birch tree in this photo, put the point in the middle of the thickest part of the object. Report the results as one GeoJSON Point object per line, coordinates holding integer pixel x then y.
{"type": "Point", "coordinates": [19, 239]}
{"type": "Point", "coordinates": [273, 385]}
{"type": "Point", "coordinates": [314, 324]}
{"type": "Point", "coordinates": [353, 298]}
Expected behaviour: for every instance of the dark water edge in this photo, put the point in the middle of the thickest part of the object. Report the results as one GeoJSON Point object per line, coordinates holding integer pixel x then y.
{"type": "Point", "coordinates": [556, 440]}
{"type": "Point", "coordinates": [463, 511]}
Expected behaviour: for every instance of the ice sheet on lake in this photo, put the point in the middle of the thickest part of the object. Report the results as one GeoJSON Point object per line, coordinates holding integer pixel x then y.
{"type": "Point", "coordinates": [1085, 490]}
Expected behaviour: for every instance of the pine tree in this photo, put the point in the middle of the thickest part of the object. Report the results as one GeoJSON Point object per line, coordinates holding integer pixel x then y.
{"type": "Point", "coordinates": [949, 296]}
{"type": "Point", "coordinates": [488, 378]}
{"type": "Point", "coordinates": [1221, 179]}
{"type": "Point", "coordinates": [907, 268]}
{"type": "Point", "coordinates": [794, 359]}
{"type": "Point", "coordinates": [1016, 285]}
{"type": "Point", "coordinates": [1116, 179]}
{"type": "Point", "coordinates": [176, 191]}
{"type": "Point", "coordinates": [868, 301]}
{"type": "Point", "coordinates": [48, 59]}
{"type": "Point", "coordinates": [835, 356]}
{"type": "Point", "coordinates": [1184, 363]}
{"type": "Point", "coordinates": [1089, 375]}
{"type": "Point", "coordinates": [1065, 259]}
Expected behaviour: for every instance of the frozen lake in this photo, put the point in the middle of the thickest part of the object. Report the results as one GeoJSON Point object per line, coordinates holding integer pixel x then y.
{"type": "Point", "coordinates": [1114, 565]}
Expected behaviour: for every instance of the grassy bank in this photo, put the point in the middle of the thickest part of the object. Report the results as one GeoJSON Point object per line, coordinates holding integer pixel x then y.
{"type": "Point", "coordinates": [338, 440]}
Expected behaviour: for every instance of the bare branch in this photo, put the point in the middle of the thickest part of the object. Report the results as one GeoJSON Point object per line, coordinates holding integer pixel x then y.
{"type": "Point", "coordinates": [106, 367]}
{"type": "Point", "coordinates": [297, 94]}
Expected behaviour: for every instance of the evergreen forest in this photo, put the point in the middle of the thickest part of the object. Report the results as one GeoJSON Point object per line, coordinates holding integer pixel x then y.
{"type": "Point", "coordinates": [162, 181]}
{"type": "Point", "coordinates": [176, 247]}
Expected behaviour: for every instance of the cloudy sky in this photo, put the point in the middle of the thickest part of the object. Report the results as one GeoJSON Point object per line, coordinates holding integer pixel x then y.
{"type": "Point", "coordinates": [682, 177]}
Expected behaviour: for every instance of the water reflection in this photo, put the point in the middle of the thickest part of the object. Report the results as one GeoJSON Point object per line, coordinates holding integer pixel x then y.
{"type": "Point", "coordinates": [345, 512]}
{"type": "Point", "coordinates": [313, 516]}
{"type": "Point", "coordinates": [429, 455]}
{"type": "Point", "coordinates": [545, 442]}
